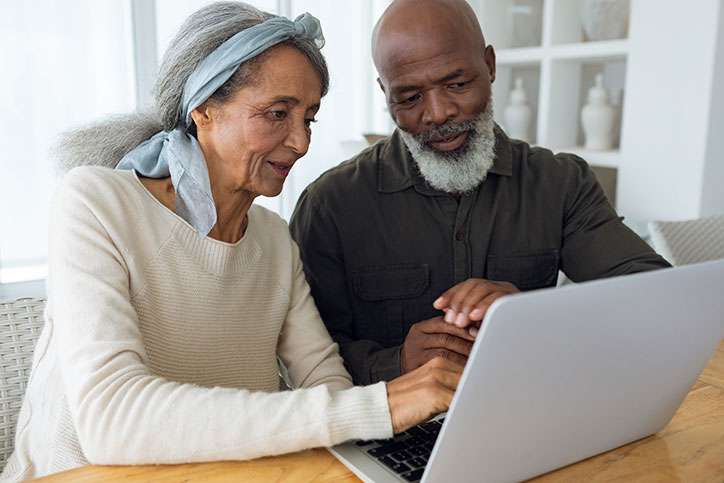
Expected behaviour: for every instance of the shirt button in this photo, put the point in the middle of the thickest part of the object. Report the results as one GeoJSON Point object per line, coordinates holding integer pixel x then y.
{"type": "Point", "coordinates": [459, 236]}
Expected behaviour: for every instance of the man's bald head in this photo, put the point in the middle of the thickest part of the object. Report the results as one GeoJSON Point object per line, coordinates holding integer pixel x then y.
{"type": "Point", "coordinates": [406, 23]}
{"type": "Point", "coordinates": [436, 73]}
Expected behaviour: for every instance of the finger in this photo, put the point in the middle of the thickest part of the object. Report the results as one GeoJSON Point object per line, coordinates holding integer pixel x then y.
{"type": "Point", "coordinates": [453, 357]}
{"type": "Point", "coordinates": [450, 343]}
{"type": "Point", "coordinates": [443, 301]}
{"type": "Point", "coordinates": [478, 313]}
{"type": "Point", "coordinates": [471, 300]}
{"type": "Point", "coordinates": [436, 326]}
{"type": "Point", "coordinates": [444, 364]}
{"type": "Point", "coordinates": [473, 331]}
{"type": "Point", "coordinates": [464, 302]}
{"type": "Point", "coordinates": [447, 379]}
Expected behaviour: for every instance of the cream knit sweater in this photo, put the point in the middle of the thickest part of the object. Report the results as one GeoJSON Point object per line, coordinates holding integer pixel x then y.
{"type": "Point", "coordinates": [160, 346]}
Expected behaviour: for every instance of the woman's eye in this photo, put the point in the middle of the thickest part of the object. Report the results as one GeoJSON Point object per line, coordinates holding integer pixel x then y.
{"type": "Point", "coordinates": [278, 115]}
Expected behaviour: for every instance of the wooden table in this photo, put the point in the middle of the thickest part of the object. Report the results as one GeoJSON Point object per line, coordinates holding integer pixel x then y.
{"type": "Point", "coordinates": [690, 449]}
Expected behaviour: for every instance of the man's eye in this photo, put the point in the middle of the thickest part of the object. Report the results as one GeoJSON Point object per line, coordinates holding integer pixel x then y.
{"type": "Point", "coordinates": [309, 122]}
{"type": "Point", "coordinates": [410, 100]}
{"type": "Point", "coordinates": [459, 85]}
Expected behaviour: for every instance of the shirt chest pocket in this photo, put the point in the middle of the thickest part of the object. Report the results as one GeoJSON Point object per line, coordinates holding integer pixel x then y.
{"type": "Point", "coordinates": [527, 271]}
{"type": "Point", "coordinates": [385, 297]}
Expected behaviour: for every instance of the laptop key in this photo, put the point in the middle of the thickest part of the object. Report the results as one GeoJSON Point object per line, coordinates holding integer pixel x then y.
{"type": "Point", "coordinates": [418, 431]}
{"type": "Point", "coordinates": [363, 443]}
{"type": "Point", "coordinates": [418, 451]}
{"type": "Point", "coordinates": [386, 449]}
{"type": "Point", "coordinates": [433, 427]}
{"type": "Point", "coordinates": [394, 465]}
{"type": "Point", "coordinates": [414, 441]}
{"type": "Point", "coordinates": [414, 475]}
{"type": "Point", "coordinates": [416, 462]}
{"type": "Point", "coordinates": [401, 455]}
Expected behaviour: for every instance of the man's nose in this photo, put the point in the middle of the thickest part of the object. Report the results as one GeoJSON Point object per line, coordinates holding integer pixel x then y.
{"type": "Point", "coordinates": [439, 108]}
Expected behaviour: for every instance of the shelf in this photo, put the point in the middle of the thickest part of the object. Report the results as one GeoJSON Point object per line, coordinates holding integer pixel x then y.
{"type": "Point", "coordinates": [610, 49]}
{"type": "Point", "coordinates": [528, 55]}
{"type": "Point", "coordinates": [608, 159]}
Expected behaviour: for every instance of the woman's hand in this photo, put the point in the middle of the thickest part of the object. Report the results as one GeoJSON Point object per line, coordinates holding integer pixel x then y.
{"type": "Point", "coordinates": [422, 393]}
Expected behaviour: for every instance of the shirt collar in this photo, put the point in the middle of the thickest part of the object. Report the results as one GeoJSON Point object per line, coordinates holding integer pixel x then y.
{"type": "Point", "coordinates": [397, 170]}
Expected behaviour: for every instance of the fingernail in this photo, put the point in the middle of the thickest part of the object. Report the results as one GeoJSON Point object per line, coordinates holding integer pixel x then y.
{"type": "Point", "coordinates": [450, 316]}
{"type": "Point", "coordinates": [460, 320]}
{"type": "Point", "coordinates": [473, 331]}
{"type": "Point", "coordinates": [476, 313]}
{"type": "Point", "coordinates": [437, 302]}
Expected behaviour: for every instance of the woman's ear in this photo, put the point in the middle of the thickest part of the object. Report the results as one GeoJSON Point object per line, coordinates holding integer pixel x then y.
{"type": "Point", "coordinates": [202, 115]}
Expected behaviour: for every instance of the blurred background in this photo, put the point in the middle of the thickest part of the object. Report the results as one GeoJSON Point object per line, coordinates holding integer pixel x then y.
{"type": "Point", "coordinates": [633, 86]}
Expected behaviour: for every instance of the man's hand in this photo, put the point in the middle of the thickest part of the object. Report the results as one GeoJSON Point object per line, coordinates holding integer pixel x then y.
{"type": "Point", "coordinates": [434, 338]}
{"type": "Point", "coordinates": [465, 304]}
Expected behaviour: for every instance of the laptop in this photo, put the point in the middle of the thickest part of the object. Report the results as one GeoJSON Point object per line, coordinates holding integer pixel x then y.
{"type": "Point", "coordinates": [559, 375]}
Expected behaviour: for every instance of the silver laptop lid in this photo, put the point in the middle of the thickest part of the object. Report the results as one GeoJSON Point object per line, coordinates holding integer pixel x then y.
{"type": "Point", "coordinates": [559, 375]}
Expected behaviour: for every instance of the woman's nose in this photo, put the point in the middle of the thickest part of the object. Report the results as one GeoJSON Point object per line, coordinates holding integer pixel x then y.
{"type": "Point", "coordinates": [298, 138]}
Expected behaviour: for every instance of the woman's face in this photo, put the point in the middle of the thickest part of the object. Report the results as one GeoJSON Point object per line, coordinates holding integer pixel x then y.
{"type": "Point", "coordinates": [252, 140]}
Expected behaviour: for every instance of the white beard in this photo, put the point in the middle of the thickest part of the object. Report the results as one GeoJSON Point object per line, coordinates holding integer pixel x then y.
{"type": "Point", "coordinates": [462, 170]}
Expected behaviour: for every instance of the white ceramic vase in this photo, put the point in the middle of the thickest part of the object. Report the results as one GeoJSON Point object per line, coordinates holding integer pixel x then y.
{"type": "Point", "coordinates": [597, 118]}
{"type": "Point", "coordinates": [605, 19]}
{"type": "Point", "coordinates": [518, 114]}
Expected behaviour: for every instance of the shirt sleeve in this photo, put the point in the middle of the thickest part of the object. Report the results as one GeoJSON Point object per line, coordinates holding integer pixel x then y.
{"type": "Point", "coordinates": [596, 242]}
{"type": "Point", "coordinates": [125, 414]}
{"type": "Point", "coordinates": [322, 255]}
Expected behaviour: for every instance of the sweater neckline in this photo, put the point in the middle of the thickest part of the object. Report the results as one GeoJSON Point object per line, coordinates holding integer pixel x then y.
{"type": "Point", "coordinates": [187, 226]}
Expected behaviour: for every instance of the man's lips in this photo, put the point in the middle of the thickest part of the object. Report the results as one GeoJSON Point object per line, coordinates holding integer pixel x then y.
{"type": "Point", "coordinates": [449, 143]}
{"type": "Point", "coordinates": [280, 168]}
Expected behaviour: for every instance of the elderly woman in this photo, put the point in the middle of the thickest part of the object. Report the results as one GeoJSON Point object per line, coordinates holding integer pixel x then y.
{"type": "Point", "coordinates": [171, 296]}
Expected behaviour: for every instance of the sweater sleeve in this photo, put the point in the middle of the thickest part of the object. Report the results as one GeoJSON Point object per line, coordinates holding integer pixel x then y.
{"type": "Point", "coordinates": [125, 414]}
{"type": "Point", "coordinates": [305, 347]}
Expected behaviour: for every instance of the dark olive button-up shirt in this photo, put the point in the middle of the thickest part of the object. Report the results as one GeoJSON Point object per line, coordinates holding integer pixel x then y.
{"type": "Point", "coordinates": [379, 245]}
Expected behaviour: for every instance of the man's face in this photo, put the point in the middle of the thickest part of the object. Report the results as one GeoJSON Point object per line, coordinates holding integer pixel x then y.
{"type": "Point", "coordinates": [434, 80]}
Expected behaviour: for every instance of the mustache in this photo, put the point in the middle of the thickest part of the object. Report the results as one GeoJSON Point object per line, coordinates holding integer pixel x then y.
{"type": "Point", "coordinates": [450, 128]}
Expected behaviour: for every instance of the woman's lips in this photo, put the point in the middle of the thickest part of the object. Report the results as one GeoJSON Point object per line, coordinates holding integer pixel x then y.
{"type": "Point", "coordinates": [451, 143]}
{"type": "Point", "coordinates": [281, 169]}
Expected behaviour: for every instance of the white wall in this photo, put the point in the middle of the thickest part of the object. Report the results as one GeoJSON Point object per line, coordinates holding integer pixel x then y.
{"type": "Point", "coordinates": [712, 199]}
{"type": "Point", "coordinates": [670, 87]}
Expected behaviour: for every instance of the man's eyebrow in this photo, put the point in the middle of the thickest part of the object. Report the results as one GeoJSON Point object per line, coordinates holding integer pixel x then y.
{"type": "Point", "coordinates": [452, 75]}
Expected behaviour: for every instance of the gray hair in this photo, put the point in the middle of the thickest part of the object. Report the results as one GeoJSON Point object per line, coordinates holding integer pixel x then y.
{"type": "Point", "coordinates": [105, 142]}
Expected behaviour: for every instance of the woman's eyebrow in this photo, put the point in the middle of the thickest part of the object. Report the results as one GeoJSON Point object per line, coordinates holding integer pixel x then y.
{"type": "Point", "coordinates": [294, 101]}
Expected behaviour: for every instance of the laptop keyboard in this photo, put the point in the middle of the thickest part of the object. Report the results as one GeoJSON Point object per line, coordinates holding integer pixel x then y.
{"type": "Point", "coordinates": [407, 453]}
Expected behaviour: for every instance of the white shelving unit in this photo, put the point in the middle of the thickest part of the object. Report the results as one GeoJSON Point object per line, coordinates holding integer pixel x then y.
{"type": "Point", "coordinates": [542, 42]}
{"type": "Point", "coordinates": [663, 76]}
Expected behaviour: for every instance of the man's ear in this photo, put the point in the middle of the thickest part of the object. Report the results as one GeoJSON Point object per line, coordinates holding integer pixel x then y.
{"type": "Point", "coordinates": [489, 57]}
{"type": "Point", "coordinates": [382, 86]}
{"type": "Point", "coordinates": [202, 115]}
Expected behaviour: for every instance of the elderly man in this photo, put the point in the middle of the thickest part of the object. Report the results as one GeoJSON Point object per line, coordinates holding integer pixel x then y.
{"type": "Point", "coordinates": [406, 245]}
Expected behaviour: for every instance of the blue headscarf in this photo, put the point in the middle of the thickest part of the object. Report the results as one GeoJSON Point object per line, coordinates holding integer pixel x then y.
{"type": "Point", "coordinates": [178, 154]}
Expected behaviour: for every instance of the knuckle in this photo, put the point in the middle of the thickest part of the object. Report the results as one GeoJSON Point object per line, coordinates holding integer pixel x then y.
{"type": "Point", "coordinates": [443, 355]}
